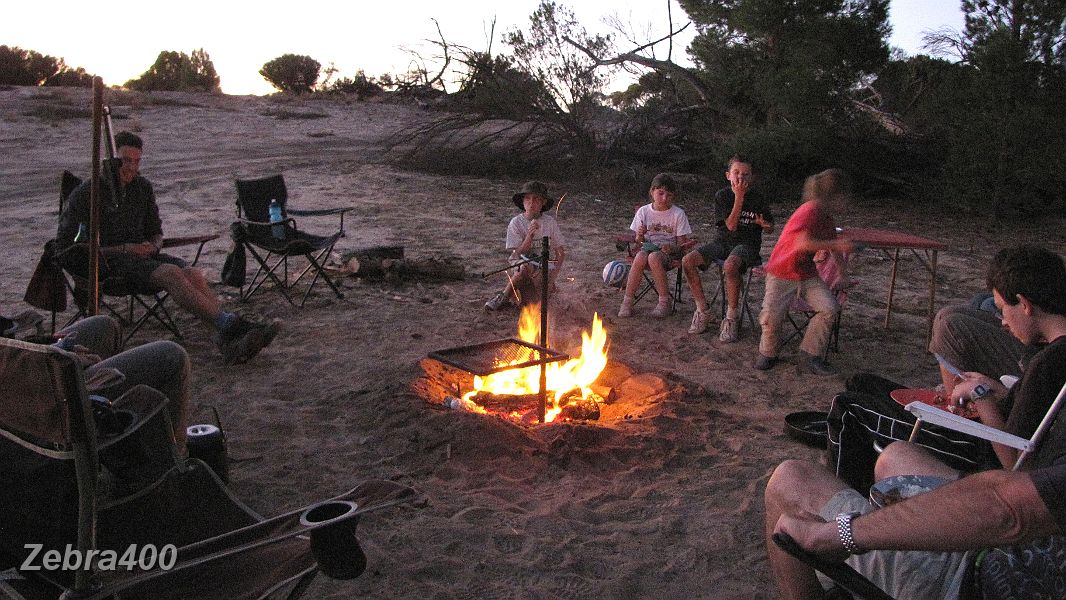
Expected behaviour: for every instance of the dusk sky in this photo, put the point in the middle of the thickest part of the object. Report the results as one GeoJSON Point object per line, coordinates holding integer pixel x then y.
{"type": "Point", "coordinates": [240, 36]}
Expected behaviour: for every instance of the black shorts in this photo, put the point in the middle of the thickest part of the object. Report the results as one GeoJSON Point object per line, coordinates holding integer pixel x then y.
{"type": "Point", "coordinates": [136, 270]}
{"type": "Point", "coordinates": [716, 250]}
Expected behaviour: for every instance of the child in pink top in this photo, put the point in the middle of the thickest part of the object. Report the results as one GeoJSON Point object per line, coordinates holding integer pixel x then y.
{"type": "Point", "coordinates": [791, 272]}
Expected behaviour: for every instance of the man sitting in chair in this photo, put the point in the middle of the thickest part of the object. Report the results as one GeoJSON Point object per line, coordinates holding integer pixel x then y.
{"type": "Point", "coordinates": [131, 237]}
{"type": "Point", "coordinates": [1029, 287]}
{"type": "Point", "coordinates": [742, 217]}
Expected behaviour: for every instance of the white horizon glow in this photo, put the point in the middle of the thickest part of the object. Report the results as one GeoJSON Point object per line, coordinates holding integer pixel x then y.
{"type": "Point", "coordinates": [241, 36]}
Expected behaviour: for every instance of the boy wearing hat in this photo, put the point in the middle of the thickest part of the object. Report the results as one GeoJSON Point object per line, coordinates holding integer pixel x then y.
{"type": "Point", "coordinates": [524, 234]}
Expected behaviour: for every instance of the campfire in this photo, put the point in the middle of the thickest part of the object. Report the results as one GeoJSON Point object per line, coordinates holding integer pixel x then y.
{"type": "Point", "coordinates": [514, 393]}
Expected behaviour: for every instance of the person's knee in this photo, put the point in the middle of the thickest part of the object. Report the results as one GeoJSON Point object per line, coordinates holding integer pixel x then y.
{"type": "Point", "coordinates": [657, 261]}
{"type": "Point", "coordinates": [788, 480]}
{"type": "Point", "coordinates": [897, 458]}
{"type": "Point", "coordinates": [170, 357]}
{"type": "Point", "coordinates": [692, 261]}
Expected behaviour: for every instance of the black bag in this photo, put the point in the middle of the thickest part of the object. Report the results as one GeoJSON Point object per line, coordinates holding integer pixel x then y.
{"type": "Point", "coordinates": [47, 290]}
{"type": "Point", "coordinates": [233, 270]}
{"type": "Point", "coordinates": [864, 419]}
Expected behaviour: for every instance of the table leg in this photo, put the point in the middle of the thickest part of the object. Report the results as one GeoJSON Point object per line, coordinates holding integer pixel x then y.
{"type": "Point", "coordinates": [891, 287]}
{"type": "Point", "coordinates": [932, 298]}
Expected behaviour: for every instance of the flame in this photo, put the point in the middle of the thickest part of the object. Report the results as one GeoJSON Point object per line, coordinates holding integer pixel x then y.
{"type": "Point", "coordinates": [562, 377]}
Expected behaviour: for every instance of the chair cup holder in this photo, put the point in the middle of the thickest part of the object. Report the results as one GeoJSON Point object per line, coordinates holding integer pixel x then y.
{"type": "Point", "coordinates": [333, 541]}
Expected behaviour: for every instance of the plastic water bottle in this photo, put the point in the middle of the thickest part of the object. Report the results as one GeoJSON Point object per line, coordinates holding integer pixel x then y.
{"type": "Point", "coordinates": [277, 229]}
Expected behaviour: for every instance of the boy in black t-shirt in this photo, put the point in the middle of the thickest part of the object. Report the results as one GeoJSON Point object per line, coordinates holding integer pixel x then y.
{"type": "Point", "coordinates": [741, 218]}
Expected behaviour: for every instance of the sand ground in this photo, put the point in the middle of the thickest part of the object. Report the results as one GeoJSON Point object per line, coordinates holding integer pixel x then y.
{"type": "Point", "coordinates": [662, 498]}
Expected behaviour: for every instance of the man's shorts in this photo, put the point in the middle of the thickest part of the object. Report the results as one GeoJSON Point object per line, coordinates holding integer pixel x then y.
{"type": "Point", "coordinates": [902, 574]}
{"type": "Point", "coordinates": [136, 270]}
{"type": "Point", "coordinates": [716, 250]}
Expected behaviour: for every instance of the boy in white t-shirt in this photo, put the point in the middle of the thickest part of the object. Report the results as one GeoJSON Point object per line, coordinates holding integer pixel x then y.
{"type": "Point", "coordinates": [524, 234]}
{"type": "Point", "coordinates": [661, 228]}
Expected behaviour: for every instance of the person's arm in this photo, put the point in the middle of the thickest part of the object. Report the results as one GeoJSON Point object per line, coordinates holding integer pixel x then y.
{"type": "Point", "coordinates": [805, 243]}
{"type": "Point", "coordinates": [740, 190]}
{"type": "Point", "coordinates": [992, 508]}
{"type": "Point", "coordinates": [987, 408]}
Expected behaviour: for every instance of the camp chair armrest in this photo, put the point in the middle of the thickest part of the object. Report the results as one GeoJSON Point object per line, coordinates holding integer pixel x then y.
{"type": "Point", "coordinates": [190, 240]}
{"type": "Point", "coordinates": [930, 414]}
{"type": "Point", "coordinates": [319, 212]}
{"type": "Point", "coordinates": [176, 242]}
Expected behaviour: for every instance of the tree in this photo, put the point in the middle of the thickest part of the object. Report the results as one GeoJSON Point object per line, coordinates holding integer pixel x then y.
{"type": "Point", "coordinates": [178, 72]}
{"type": "Point", "coordinates": [26, 67]}
{"type": "Point", "coordinates": [1014, 53]}
{"type": "Point", "coordinates": [292, 73]}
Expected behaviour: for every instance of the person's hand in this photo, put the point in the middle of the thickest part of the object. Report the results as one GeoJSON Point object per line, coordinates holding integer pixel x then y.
{"type": "Point", "coordinates": [813, 534]}
{"type": "Point", "coordinates": [762, 222]}
{"type": "Point", "coordinates": [740, 187]}
{"type": "Point", "coordinates": [967, 385]}
{"type": "Point", "coordinates": [642, 230]}
{"type": "Point", "coordinates": [667, 249]}
{"type": "Point", "coordinates": [86, 358]}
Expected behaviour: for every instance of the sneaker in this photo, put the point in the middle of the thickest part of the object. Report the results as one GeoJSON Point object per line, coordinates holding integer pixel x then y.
{"type": "Point", "coordinates": [244, 339]}
{"type": "Point", "coordinates": [815, 365]}
{"type": "Point", "coordinates": [662, 311]}
{"type": "Point", "coordinates": [764, 363]}
{"type": "Point", "coordinates": [626, 310]}
{"type": "Point", "coordinates": [700, 318]}
{"type": "Point", "coordinates": [498, 301]}
{"type": "Point", "coordinates": [728, 331]}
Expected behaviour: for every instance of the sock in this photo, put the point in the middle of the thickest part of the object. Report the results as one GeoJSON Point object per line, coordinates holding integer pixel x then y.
{"type": "Point", "coordinates": [731, 313]}
{"type": "Point", "coordinates": [225, 320]}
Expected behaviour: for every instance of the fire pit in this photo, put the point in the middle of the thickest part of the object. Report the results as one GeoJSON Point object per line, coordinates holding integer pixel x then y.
{"type": "Point", "coordinates": [505, 381]}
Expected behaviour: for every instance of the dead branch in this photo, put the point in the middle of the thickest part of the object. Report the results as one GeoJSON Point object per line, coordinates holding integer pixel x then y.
{"type": "Point", "coordinates": [663, 66]}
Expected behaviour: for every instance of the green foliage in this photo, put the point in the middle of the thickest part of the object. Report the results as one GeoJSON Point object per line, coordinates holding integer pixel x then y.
{"type": "Point", "coordinates": [29, 67]}
{"type": "Point", "coordinates": [292, 73]}
{"type": "Point", "coordinates": [771, 62]}
{"type": "Point", "coordinates": [178, 72]}
{"type": "Point", "coordinates": [566, 79]}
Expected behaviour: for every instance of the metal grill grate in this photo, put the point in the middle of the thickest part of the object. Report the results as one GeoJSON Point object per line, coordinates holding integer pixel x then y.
{"type": "Point", "coordinates": [487, 358]}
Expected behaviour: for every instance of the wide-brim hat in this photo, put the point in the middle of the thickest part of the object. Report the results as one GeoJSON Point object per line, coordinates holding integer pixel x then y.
{"type": "Point", "coordinates": [533, 187]}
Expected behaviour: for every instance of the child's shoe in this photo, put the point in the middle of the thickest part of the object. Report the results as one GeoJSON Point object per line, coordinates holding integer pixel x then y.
{"type": "Point", "coordinates": [728, 332]}
{"type": "Point", "coordinates": [700, 319]}
{"type": "Point", "coordinates": [662, 310]}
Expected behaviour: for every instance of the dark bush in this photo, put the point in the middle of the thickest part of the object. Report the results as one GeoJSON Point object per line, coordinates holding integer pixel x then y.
{"type": "Point", "coordinates": [292, 73]}
{"type": "Point", "coordinates": [28, 67]}
{"type": "Point", "coordinates": [360, 85]}
{"type": "Point", "coordinates": [178, 72]}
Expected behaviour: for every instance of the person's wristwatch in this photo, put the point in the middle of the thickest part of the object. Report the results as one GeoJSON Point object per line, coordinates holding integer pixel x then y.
{"type": "Point", "coordinates": [844, 530]}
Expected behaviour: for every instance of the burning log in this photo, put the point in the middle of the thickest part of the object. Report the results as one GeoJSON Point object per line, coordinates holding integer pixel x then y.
{"type": "Point", "coordinates": [576, 408]}
{"type": "Point", "coordinates": [506, 403]}
{"type": "Point", "coordinates": [606, 394]}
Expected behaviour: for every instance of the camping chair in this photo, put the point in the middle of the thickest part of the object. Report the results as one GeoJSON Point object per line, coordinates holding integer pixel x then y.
{"type": "Point", "coordinates": [832, 270]}
{"type": "Point", "coordinates": [253, 230]}
{"type": "Point", "coordinates": [627, 242]}
{"type": "Point", "coordinates": [149, 299]}
{"type": "Point", "coordinates": [745, 308]}
{"type": "Point", "coordinates": [52, 449]}
{"type": "Point", "coordinates": [930, 414]}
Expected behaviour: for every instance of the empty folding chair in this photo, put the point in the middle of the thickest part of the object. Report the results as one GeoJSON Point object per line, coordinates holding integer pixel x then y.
{"type": "Point", "coordinates": [279, 241]}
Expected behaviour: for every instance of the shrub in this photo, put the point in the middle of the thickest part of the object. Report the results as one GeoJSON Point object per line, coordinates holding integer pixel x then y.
{"type": "Point", "coordinates": [28, 67]}
{"type": "Point", "coordinates": [292, 73]}
{"type": "Point", "coordinates": [178, 72]}
{"type": "Point", "coordinates": [360, 85]}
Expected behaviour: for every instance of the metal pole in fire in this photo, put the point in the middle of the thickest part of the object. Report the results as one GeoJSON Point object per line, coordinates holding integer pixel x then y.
{"type": "Point", "coordinates": [543, 326]}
